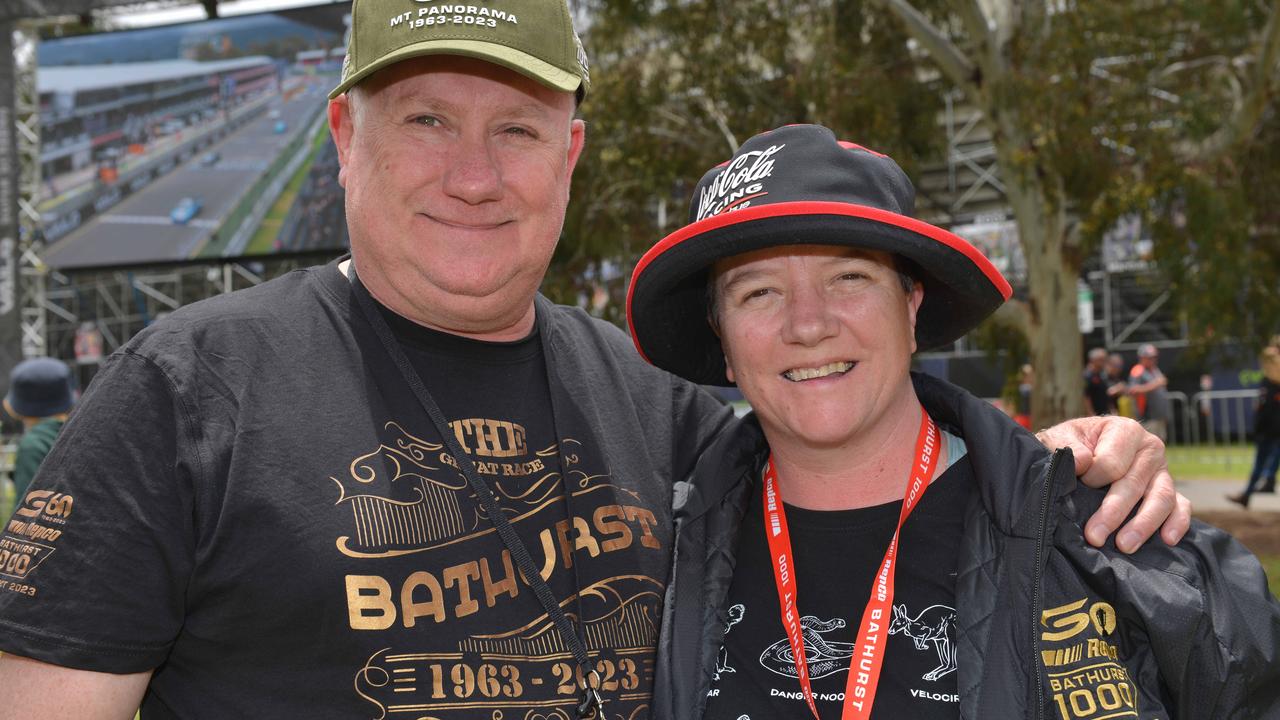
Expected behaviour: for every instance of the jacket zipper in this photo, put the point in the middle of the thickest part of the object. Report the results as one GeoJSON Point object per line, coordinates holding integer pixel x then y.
{"type": "Point", "coordinates": [1037, 601]}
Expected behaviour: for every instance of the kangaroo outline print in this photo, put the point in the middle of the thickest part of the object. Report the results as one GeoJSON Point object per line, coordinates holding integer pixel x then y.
{"type": "Point", "coordinates": [935, 624]}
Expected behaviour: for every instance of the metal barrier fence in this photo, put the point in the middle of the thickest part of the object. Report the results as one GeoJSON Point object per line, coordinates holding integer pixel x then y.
{"type": "Point", "coordinates": [1217, 425]}
{"type": "Point", "coordinates": [1212, 426]}
{"type": "Point", "coordinates": [1213, 417]}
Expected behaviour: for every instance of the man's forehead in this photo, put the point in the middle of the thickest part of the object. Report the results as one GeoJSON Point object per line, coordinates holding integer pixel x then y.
{"type": "Point", "coordinates": [453, 78]}
{"type": "Point", "coordinates": [424, 98]}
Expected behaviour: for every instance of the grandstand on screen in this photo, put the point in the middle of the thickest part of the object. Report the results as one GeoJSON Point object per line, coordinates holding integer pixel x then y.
{"type": "Point", "coordinates": [91, 114]}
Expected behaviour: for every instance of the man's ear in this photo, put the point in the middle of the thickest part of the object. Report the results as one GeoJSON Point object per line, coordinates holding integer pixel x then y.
{"type": "Point", "coordinates": [341, 129]}
{"type": "Point", "coordinates": [577, 140]}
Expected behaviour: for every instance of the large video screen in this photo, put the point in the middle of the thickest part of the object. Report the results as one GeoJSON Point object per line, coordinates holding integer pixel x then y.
{"type": "Point", "coordinates": [191, 142]}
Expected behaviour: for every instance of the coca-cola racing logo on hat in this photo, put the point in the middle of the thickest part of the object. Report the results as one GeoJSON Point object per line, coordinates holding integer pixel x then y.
{"type": "Point", "coordinates": [738, 184]}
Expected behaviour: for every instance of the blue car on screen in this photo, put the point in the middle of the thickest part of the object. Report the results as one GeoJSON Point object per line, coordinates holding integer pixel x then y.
{"type": "Point", "coordinates": [186, 209]}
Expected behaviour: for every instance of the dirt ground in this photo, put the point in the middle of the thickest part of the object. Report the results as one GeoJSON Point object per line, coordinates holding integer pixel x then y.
{"type": "Point", "coordinates": [1258, 531]}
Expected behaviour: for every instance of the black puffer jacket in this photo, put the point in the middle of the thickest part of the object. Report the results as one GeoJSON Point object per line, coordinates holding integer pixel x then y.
{"type": "Point", "coordinates": [1048, 626]}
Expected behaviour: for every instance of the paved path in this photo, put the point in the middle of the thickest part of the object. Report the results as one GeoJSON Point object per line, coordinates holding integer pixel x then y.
{"type": "Point", "coordinates": [1211, 495]}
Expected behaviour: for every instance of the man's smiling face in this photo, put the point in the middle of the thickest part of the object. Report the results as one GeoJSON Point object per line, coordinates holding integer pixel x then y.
{"type": "Point", "coordinates": [457, 176]}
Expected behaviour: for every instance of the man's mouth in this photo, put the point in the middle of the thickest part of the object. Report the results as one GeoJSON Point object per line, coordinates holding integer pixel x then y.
{"type": "Point", "coordinates": [467, 225]}
{"type": "Point", "coordinates": [835, 368]}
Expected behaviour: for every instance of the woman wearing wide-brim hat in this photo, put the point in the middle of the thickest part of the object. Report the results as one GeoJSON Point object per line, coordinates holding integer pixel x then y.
{"type": "Point", "coordinates": [804, 583]}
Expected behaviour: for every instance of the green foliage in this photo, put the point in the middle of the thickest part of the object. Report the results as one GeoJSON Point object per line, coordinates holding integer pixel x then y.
{"type": "Point", "coordinates": [1112, 97]}
{"type": "Point", "coordinates": [1006, 347]}
{"type": "Point", "coordinates": [675, 88]}
{"type": "Point", "coordinates": [1169, 81]}
{"type": "Point", "coordinates": [1219, 244]}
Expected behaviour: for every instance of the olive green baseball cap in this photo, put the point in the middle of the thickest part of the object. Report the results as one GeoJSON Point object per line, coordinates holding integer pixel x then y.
{"type": "Point", "coordinates": [532, 37]}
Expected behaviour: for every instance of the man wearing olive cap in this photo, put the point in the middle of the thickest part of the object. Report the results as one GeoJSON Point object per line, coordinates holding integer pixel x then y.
{"type": "Point", "coordinates": [320, 486]}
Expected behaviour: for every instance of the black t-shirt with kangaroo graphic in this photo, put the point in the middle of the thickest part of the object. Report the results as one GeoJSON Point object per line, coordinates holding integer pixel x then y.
{"type": "Point", "coordinates": [836, 556]}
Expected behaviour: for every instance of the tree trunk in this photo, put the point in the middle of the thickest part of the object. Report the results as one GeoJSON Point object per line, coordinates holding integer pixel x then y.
{"type": "Point", "coordinates": [1053, 270]}
{"type": "Point", "coordinates": [1056, 347]}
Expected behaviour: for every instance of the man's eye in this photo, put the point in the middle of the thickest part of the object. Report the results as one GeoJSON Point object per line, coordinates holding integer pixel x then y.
{"type": "Point", "coordinates": [427, 120]}
{"type": "Point", "coordinates": [853, 276]}
{"type": "Point", "coordinates": [518, 131]}
{"type": "Point", "coordinates": [754, 294]}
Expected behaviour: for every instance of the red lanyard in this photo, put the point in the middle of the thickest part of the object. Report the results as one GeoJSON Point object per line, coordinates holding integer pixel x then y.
{"type": "Point", "coordinates": [868, 652]}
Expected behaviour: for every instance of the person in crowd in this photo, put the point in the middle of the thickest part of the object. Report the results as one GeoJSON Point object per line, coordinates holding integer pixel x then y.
{"type": "Point", "coordinates": [1022, 408]}
{"type": "Point", "coordinates": [1271, 373]}
{"type": "Point", "coordinates": [40, 397]}
{"type": "Point", "coordinates": [404, 482]}
{"type": "Point", "coordinates": [888, 545]}
{"type": "Point", "coordinates": [1121, 400]}
{"type": "Point", "coordinates": [1097, 382]}
{"type": "Point", "coordinates": [1147, 385]}
{"type": "Point", "coordinates": [1204, 408]}
{"type": "Point", "coordinates": [1266, 428]}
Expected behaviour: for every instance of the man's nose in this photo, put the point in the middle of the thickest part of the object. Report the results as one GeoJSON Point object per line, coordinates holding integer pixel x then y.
{"type": "Point", "coordinates": [473, 175]}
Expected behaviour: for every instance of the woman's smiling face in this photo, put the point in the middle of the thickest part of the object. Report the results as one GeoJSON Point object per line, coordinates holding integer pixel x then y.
{"type": "Point", "coordinates": [818, 338]}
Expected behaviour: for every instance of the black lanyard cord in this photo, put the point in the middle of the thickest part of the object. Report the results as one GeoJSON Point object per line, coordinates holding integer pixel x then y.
{"type": "Point", "coordinates": [591, 704]}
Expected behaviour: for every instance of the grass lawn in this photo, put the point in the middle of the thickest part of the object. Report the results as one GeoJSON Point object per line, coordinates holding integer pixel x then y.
{"type": "Point", "coordinates": [1271, 563]}
{"type": "Point", "coordinates": [1218, 462]}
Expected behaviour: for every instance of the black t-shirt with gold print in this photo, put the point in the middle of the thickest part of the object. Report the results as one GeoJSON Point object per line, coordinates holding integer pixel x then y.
{"type": "Point", "coordinates": [496, 399]}
{"type": "Point", "coordinates": [250, 497]}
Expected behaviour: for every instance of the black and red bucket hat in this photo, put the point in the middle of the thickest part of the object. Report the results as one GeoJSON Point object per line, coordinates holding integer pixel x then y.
{"type": "Point", "coordinates": [798, 185]}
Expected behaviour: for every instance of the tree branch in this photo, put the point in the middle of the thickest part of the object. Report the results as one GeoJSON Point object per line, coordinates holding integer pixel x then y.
{"type": "Point", "coordinates": [978, 24]}
{"type": "Point", "coordinates": [722, 122]}
{"type": "Point", "coordinates": [1248, 111]}
{"type": "Point", "coordinates": [953, 63]}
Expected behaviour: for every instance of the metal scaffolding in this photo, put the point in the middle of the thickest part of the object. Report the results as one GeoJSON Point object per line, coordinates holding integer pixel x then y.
{"type": "Point", "coordinates": [31, 271]}
{"type": "Point", "coordinates": [57, 308]}
{"type": "Point", "coordinates": [119, 303]}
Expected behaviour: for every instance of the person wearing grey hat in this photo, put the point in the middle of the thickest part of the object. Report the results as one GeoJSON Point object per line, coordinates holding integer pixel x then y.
{"type": "Point", "coordinates": [402, 484]}
{"type": "Point", "coordinates": [40, 396]}
{"type": "Point", "coordinates": [1148, 386]}
{"type": "Point", "coordinates": [891, 546]}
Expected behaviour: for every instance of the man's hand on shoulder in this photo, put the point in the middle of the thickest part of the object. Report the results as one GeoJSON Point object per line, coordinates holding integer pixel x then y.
{"type": "Point", "coordinates": [1116, 451]}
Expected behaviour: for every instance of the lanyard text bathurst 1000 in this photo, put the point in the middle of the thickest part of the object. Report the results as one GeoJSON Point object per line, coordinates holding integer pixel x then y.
{"type": "Point", "coordinates": [868, 652]}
